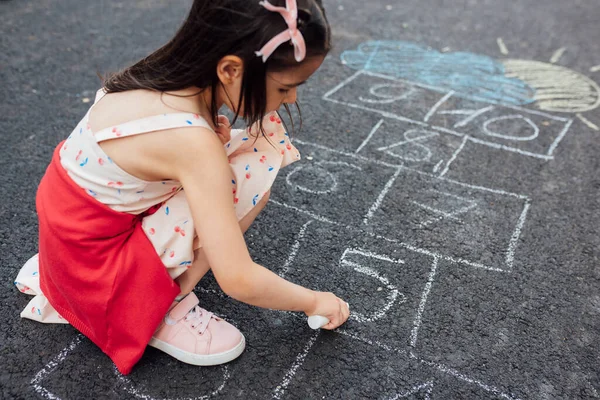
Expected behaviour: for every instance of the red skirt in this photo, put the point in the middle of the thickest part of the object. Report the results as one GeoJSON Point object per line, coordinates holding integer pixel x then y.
{"type": "Point", "coordinates": [98, 269]}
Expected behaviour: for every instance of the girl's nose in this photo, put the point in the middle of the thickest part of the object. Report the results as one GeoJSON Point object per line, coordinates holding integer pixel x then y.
{"type": "Point", "coordinates": [291, 96]}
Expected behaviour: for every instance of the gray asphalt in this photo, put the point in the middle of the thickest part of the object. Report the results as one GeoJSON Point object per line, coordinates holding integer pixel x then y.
{"type": "Point", "coordinates": [475, 281]}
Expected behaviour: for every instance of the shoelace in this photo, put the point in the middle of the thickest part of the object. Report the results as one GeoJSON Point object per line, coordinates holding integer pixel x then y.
{"type": "Point", "coordinates": [199, 318]}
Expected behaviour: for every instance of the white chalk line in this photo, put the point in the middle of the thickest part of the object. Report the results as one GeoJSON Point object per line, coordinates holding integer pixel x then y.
{"type": "Point", "coordinates": [589, 123]}
{"type": "Point", "coordinates": [514, 240]}
{"type": "Point", "coordinates": [510, 149]}
{"type": "Point", "coordinates": [415, 390]}
{"type": "Point", "coordinates": [560, 137]}
{"type": "Point", "coordinates": [381, 112]}
{"type": "Point", "coordinates": [437, 105]}
{"type": "Point", "coordinates": [375, 129]}
{"type": "Point", "coordinates": [381, 197]}
{"type": "Point", "coordinates": [369, 254]}
{"type": "Point", "coordinates": [502, 46]}
{"type": "Point", "coordinates": [471, 117]}
{"type": "Point", "coordinates": [557, 55]}
{"type": "Point", "coordinates": [456, 374]}
{"type": "Point", "coordinates": [310, 214]}
{"type": "Point", "coordinates": [428, 135]}
{"type": "Point", "coordinates": [50, 367]}
{"type": "Point", "coordinates": [487, 131]}
{"type": "Point", "coordinates": [344, 153]}
{"type": "Point", "coordinates": [280, 390]}
{"type": "Point", "coordinates": [418, 318]}
{"type": "Point", "coordinates": [394, 293]}
{"type": "Point", "coordinates": [295, 247]}
{"type": "Point", "coordinates": [130, 388]}
{"type": "Point", "coordinates": [454, 155]}
{"type": "Point", "coordinates": [436, 211]}
{"type": "Point", "coordinates": [451, 215]}
{"type": "Point", "coordinates": [373, 343]}
{"type": "Point", "coordinates": [288, 180]}
{"type": "Point", "coordinates": [595, 68]}
{"type": "Point", "coordinates": [437, 166]}
{"type": "Point", "coordinates": [342, 84]}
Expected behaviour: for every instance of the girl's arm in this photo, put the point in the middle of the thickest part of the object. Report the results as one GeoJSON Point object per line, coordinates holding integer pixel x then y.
{"type": "Point", "coordinates": [197, 159]}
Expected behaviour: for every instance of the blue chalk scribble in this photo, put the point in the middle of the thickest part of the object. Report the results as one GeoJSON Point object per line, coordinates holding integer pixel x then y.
{"type": "Point", "coordinates": [470, 75]}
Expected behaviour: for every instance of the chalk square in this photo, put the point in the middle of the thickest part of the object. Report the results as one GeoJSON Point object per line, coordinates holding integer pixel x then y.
{"type": "Point", "coordinates": [398, 142]}
{"type": "Point", "coordinates": [382, 281]}
{"type": "Point", "coordinates": [450, 217]}
{"type": "Point", "coordinates": [532, 132]}
{"type": "Point", "coordinates": [389, 97]}
{"type": "Point", "coordinates": [334, 186]}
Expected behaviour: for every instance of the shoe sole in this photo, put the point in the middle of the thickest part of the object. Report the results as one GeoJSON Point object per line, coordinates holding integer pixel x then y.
{"type": "Point", "coordinates": [196, 359]}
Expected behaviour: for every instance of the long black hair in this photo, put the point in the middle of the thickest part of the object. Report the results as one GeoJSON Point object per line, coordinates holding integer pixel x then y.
{"type": "Point", "coordinates": [214, 29]}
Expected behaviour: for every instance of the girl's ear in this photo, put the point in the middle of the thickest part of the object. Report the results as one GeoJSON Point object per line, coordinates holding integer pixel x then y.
{"type": "Point", "coordinates": [229, 69]}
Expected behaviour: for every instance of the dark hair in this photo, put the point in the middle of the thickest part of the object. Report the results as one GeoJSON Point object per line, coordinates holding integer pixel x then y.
{"type": "Point", "coordinates": [214, 29]}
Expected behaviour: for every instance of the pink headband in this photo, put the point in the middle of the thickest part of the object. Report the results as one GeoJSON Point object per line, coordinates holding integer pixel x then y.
{"type": "Point", "coordinates": [290, 14]}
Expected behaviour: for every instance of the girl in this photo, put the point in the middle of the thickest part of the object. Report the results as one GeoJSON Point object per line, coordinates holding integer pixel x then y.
{"type": "Point", "coordinates": [152, 189]}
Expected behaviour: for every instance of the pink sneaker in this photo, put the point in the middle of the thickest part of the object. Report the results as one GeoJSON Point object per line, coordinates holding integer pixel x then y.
{"type": "Point", "coordinates": [195, 336]}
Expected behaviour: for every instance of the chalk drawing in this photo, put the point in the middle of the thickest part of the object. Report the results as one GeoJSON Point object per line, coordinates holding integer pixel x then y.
{"type": "Point", "coordinates": [334, 182]}
{"type": "Point", "coordinates": [394, 295]}
{"type": "Point", "coordinates": [472, 114]}
{"type": "Point", "coordinates": [292, 256]}
{"type": "Point", "coordinates": [415, 390]}
{"type": "Point", "coordinates": [489, 132]}
{"type": "Point", "coordinates": [437, 166]}
{"type": "Point", "coordinates": [280, 390]}
{"type": "Point", "coordinates": [557, 55]}
{"type": "Point", "coordinates": [51, 367]}
{"type": "Point", "coordinates": [589, 123]}
{"type": "Point", "coordinates": [373, 131]}
{"type": "Point", "coordinates": [469, 204]}
{"type": "Point", "coordinates": [417, 322]}
{"type": "Point", "coordinates": [130, 388]}
{"type": "Point", "coordinates": [456, 374]}
{"type": "Point", "coordinates": [454, 155]}
{"type": "Point", "coordinates": [595, 68]}
{"type": "Point", "coordinates": [470, 75]}
{"type": "Point", "coordinates": [382, 195]}
{"type": "Point", "coordinates": [386, 98]}
{"type": "Point", "coordinates": [343, 95]}
{"type": "Point", "coordinates": [510, 254]}
{"type": "Point", "coordinates": [443, 214]}
{"type": "Point", "coordinates": [412, 137]}
{"type": "Point", "coordinates": [437, 105]}
{"type": "Point", "coordinates": [502, 46]}
{"type": "Point", "coordinates": [557, 88]}
{"type": "Point", "coordinates": [478, 77]}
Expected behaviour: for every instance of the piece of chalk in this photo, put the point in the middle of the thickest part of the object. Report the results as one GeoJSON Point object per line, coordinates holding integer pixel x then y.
{"type": "Point", "coordinates": [317, 321]}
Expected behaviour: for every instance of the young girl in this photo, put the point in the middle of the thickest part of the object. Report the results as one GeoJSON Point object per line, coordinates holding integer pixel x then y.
{"type": "Point", "coordinates": [152, 189]}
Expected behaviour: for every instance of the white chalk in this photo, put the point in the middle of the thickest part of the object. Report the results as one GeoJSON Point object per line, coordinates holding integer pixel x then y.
{"type": "Point", "coordinates": [317, 321]}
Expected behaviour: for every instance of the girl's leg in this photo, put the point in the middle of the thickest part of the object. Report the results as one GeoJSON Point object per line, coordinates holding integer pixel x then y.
{"type": "Point", "coordinates": [190, 278]}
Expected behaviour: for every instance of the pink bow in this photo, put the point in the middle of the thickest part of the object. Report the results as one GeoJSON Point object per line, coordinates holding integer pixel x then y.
{"type": "Point", "coordinates": [290, 14]}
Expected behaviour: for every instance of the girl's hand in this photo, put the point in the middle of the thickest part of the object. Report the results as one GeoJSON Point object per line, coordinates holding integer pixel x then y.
{"type": "Point", "coordinates": [332, 307]}
{"type": "Point", "coordinates": [223, 129]}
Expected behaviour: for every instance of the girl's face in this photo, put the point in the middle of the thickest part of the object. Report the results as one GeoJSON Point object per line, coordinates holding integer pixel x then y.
{"type": "Point", "coordinates": [281, 87]}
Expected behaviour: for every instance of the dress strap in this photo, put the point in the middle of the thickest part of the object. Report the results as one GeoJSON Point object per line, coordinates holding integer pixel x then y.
{"type": "Point", "coordinates": [149, 124]}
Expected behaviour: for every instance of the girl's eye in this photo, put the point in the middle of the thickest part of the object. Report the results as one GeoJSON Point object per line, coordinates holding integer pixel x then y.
{"type": "Point", "coordinates": [285, 91]}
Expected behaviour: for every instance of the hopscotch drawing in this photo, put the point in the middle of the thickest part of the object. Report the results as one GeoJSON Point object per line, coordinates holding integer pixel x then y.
{"type": "Point", "coordinates": [431, 108]}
